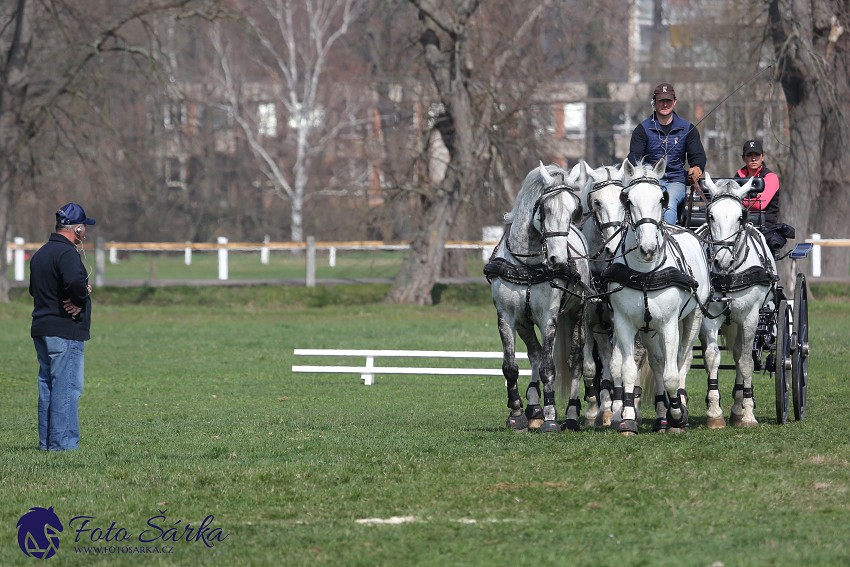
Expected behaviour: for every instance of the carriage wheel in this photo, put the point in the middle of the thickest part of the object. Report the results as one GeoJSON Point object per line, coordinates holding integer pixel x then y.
{"type": "Point", "coordinates": [783, 360]}
{"type": "Point", "coordinates": [800, 347]}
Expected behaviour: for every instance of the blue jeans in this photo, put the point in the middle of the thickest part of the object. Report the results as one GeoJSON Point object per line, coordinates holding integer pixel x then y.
{"type": "Point", "coordinates": [60, 385]}
{"type": "Point", "coordinates": [677, 193]}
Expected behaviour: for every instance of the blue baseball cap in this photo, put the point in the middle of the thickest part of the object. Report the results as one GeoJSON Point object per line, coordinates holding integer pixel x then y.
{"type": "Point", "coordinates": [72, 213]}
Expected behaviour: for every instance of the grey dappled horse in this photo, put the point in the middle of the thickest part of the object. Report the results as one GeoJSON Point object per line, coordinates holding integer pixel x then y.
{"type": "Point", "coordinates": [743, 273]}
{"type": "Point", "coordinates": [539, 277]}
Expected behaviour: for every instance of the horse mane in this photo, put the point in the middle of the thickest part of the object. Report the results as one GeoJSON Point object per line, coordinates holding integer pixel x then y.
{"type": "Point", "coordinates": [531, 189]}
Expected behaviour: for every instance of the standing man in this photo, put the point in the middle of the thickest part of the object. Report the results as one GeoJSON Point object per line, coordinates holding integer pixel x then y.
{"type": "Point", "coordinates": [61, 317]}
{"type": "Point", "coordinates": [665, 135]}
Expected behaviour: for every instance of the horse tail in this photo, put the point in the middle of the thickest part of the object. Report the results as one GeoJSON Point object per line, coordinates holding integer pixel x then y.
{"type": "Point", "coordinates": [562, 365]}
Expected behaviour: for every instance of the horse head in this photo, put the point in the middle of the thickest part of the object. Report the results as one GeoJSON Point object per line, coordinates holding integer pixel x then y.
{"type": "Point", "coordinates": [644, 199]}
{"type": "Point", "coordinates": [556, 208]}
{"type": "Point", "coordinates": [601, 197]}
{"type": "Point", "coordinates": [727, 219]}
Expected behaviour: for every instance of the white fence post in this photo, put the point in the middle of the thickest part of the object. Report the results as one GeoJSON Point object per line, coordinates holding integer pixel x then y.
{"type": "Point", "coordinates": [113, 255]}
{"type": "Point", "coordinates": [816, 257]}
{"type": "Point", "coordinates": [222, 258]}
{"type": "Point", "coordinates": [490, 234]}
{"type": "Point", "coordinates": [368, 379]}
{"type": "Point", "coordinates": [99, 261]}
{"type": "Point", "coordinates": [187, 254]}
{"type": "Point", "coordinates": [19, 259]}
{"type": "Point", "coordinates": [264, 251]}
{"type": "Point", "coordinates": [311, 261]}
{"type": "Point", "coordinates": [332, 256]}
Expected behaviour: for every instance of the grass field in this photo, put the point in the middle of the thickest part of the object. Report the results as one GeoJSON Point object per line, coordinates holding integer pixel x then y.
{"type": "Point", "coordinates": [190, 410]}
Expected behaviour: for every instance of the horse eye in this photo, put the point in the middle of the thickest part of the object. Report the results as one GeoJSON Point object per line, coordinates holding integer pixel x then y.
{"type": "Point", "coordinates": [710, 217]}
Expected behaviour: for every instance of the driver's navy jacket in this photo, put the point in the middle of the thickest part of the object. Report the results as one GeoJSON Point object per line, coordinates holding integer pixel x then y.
{"type": "Point", "coordinates": [57, 273]}
{"type": "Point", "coordinates": [650, 143]}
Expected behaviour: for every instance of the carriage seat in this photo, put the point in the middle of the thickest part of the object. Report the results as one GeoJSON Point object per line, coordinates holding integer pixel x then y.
{"type": "Point", "coordinates": [701, 200]}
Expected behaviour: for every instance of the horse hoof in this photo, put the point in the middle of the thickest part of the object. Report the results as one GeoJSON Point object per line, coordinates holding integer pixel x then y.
{"type": "Point", "coordinates": [716, 422]}
{"type": "Point", "coordinates": [739, 421]}
{"type": "Point", "coordinates": [535, 423]}
{"type": "Point", "coordinates": [550, 426]}
{"type": "Point", "coordinates": [534, 414]}
{"type": "Point", "coordinates": [518, 423]}
{"type": "Point", "coordinates": [605, 418]}
{"type": "Point", "coordinates": [735, 420]}
{"type": "Point", "coordinates": [660, 425]}
{"type": "Point", "coordinates": [628, 427]}
{"type": "Point", "coordinates": [680, 423]}
{"type": "Point", "coordinates": [677, 429]}
{"type": "Point", "coordinates": [570, 425]}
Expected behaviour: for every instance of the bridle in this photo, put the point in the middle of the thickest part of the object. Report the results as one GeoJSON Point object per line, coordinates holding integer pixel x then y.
{"type": "Point", "coordinates": [540, 209]}
{"type": "Point", "coordinates": [735, 243]}
{"type": "Point", "coordinates": [634, 224]}
{"type": "Point", "coordinates": [620, 225]}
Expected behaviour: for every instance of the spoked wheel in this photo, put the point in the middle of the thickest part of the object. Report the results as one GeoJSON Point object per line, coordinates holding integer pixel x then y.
{"type": "Point", "coordinates": [783, 360]}
{"type": "Point", "coordinates": [800, 349]}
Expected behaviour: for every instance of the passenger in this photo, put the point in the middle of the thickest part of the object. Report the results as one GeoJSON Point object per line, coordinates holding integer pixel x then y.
{"type": "Point", "coordinates": [768, 200]}
{"type": "Point", "coordinates": [665, 134]}
{"type": "Point", "coordinates": [766, 203]}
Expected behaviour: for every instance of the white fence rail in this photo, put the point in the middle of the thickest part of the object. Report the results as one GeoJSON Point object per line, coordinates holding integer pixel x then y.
{"type": "Point", "coordinates": [17, 248]}
{"type": "Point", "coordinates": [223, 247]}
{"type": "Point", "coordinates": [368, 370]}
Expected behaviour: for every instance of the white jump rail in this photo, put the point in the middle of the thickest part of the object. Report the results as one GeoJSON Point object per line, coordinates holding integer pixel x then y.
{"type": "Point", "coordinates": [368, 370]}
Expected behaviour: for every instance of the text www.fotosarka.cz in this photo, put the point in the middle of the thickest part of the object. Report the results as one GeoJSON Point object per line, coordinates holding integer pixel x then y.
{"type": "Point", "coordinates": [41, 532]}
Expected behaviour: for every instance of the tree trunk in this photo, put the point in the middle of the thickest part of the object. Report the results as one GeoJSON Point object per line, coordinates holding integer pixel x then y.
{"type": "Point", "coordinates": [418, 276]}
{"type": "Point", "coordinates": [15, 43]}
{"type": "Point", "coordinates": [443, 40]}
{"type": "Point", "coordinates": [813, 60]}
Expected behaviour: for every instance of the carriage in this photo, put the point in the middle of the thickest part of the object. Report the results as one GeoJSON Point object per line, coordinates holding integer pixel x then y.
{"type": "Point", "coordinates": [663, 285]}
{"type": "Point", "coordinates": [781, 343]}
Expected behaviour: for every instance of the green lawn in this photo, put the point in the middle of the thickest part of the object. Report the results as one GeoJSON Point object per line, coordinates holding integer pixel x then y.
{"type": "Point", "coordinates": [190, 410]}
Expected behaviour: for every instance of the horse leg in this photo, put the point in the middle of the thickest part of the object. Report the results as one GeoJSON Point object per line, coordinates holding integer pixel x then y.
{"type": "Point", "coordinates": [687, 331]}
{"type": "Point", "coordinates": [590, 391]}
{"type": "Point", "coordinates": [605, 387]}
{"type": "Point", "coordinates": [624, 371]}
{"type": "Point", "coordinates": [516, 419]}
{"type": "Point", "coordinates": [742, 350]}
{"type": "Point", "coordinates": [677, 412]}
{"type": "Point", "coordinates": [655, 358]}
{"type": "Point", "coordinates": [537, 357]}
{"type": "Point", "coordinates": [736, 412]}
{"type": "Point", "coordinates": [711, 358]}
{"type": "Point", "coordinates": [547, 374]}
{"type": "Point", "coordinates": [568, 363]}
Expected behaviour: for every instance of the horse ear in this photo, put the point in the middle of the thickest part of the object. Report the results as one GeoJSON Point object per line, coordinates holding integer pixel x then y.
{"type": "Point", "coordinates": [628, 168]}
{"type": "Point", "coordinates": [544, 173]}
{"type": "Point", "coordinates": [742, 191]}
{"type": "Point", "coordinates": [709, 185]}
{"type": "Point", "coordinates": [579, 174]}
{"type": "Point", "coordinates": [660, 167]}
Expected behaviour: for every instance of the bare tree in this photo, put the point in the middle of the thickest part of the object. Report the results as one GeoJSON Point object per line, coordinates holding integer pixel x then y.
{"type": "Point", "coordinates": [485, 69]}
{"type": "Point", "coordinates": [297, 38]}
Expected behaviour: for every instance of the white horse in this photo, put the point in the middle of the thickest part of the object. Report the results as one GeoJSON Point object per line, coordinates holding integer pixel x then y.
{"type": "Point", "coordinates": [539, 277]}
{"type": "Point", "coordinates": [604, 230]}
{"type": "Point", "coordinates": [743, 273]}
{"type": "Point", "coordinates": [658, 284]}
